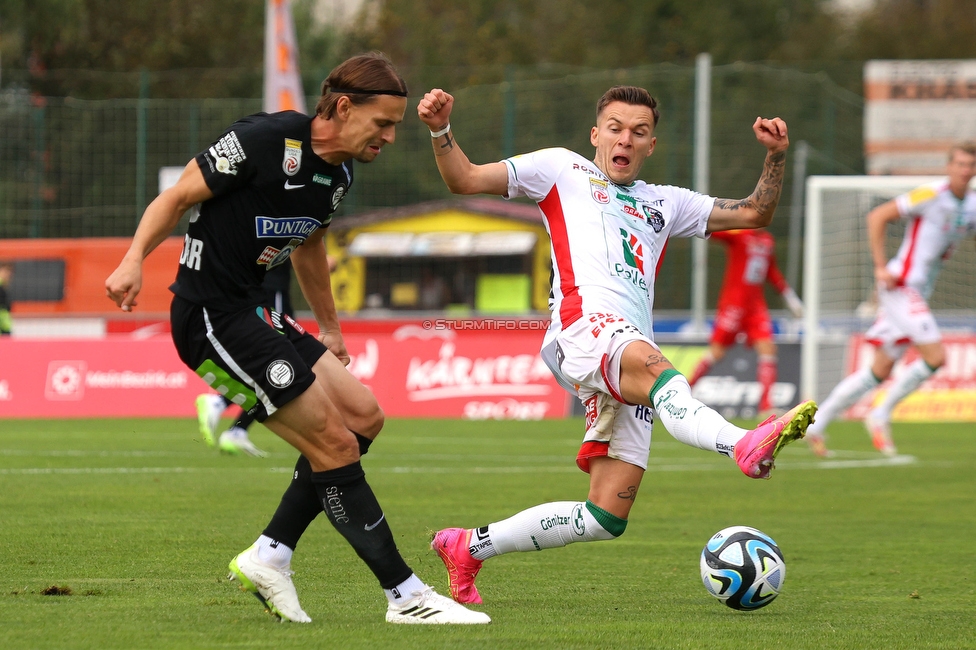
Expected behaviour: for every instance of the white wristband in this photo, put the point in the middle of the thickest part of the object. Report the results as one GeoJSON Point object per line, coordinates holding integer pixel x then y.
{"type": "Point", "coordinates": [437, 134]}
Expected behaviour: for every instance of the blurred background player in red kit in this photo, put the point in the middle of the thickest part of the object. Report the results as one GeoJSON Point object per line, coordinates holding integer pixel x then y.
{"type": "Point", "coordinates": [742, 309]}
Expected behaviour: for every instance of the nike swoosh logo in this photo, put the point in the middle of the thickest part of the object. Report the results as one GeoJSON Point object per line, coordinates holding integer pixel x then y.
{"type": "Point", "coordinates": [378, 521]}
{"type": "Point", "coordinates": [289, 186]}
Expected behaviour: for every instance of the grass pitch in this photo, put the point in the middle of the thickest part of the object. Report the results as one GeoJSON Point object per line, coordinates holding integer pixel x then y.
{"type": "Point", "coordinates": [117, 534]}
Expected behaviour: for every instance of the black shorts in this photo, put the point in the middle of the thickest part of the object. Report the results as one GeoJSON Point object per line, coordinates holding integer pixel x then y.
{"type": "Point", "coordinates": [257, 358]}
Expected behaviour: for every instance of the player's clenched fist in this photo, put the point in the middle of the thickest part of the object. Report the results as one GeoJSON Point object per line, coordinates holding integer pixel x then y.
{"type": "Point", "coordinates": [124, 284]}
{"type": "Point", "coordinates": [434, 109]}
{"type": "Point", "coordinates": [771, 134]}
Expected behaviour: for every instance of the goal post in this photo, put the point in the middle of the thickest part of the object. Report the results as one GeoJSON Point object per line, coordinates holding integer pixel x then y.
{"type": "Point", "coordinates": [838, 271]}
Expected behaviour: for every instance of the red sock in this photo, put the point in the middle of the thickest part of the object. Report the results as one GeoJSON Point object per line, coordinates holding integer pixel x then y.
{"type": "Point", "coordinates": [766, 375]}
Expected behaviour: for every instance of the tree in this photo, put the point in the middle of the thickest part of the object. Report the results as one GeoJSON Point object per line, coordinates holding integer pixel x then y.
{"type": "Point", "coordinates": [471, 41]}
{"type": "Point", "coordinates": [915, 29]}
{"type": "Point", "coordinates": [114, 39]}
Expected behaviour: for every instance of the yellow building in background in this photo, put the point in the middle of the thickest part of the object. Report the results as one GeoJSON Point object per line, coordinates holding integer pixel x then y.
{"type": "Point", "coordinates": [470, 255]}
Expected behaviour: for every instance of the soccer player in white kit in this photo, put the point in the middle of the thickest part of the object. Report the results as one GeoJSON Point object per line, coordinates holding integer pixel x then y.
{"type": "Point", "coordinates": [608, 232]}
{"type": "Point", "coordinates": [939, 214]}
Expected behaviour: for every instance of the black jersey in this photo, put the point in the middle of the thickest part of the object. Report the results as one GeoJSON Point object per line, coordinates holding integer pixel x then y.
{"type": "Point", "coordinates": [270, 193]}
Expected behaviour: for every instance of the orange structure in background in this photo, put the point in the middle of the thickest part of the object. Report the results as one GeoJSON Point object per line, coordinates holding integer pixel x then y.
{"type": "Point", "coordinates": [87, 262]}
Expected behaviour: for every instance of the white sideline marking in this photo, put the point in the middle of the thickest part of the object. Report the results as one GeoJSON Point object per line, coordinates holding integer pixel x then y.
{"type": "Point", "coordinates": [686, 467]}
{"type": "Point", "coordinates": [138, 470]}
{"type": "Point", "coordinates": [892, 461]}
{"type": "Point", "coordinates": [568, 468]}
{"type": "Point", "coordinates": [104, 470]}
{"type": "Point", "coordinates": [77, 453]}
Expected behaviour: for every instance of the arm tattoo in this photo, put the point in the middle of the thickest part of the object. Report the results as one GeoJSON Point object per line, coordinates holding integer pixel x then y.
{"type": "Point", "coordinates": [653, 359]}
{"type": "Point", "coordinates": [630, 494]}
{"type": "Point", "coordinates": [446, 147]}
{"type": "Point", "coordinates": [765, 197]}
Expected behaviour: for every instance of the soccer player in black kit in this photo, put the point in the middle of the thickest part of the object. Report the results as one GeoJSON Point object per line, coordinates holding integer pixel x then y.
{"type": "Point", "coordinates": [267, 188]}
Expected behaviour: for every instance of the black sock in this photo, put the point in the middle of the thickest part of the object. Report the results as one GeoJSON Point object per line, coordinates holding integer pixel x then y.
{"type": "Point", "coordinates": [352, 508]}
{"type": "Point", "coordinates": [364, 443]}
{"type": "Point", "coordinates": [299, 506]}
{"type": "Point", "coordinates": [244, 421]}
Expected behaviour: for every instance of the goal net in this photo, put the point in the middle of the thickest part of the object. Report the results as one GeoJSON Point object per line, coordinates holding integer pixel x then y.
{"type": "Point", "coordinates": [838, 283]}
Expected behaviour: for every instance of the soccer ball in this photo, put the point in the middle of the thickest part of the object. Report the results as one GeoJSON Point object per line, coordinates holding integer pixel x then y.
{"type": "Point", "coordinates": [743, 568]}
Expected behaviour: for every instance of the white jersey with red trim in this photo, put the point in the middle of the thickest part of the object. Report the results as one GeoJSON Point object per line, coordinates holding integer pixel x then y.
{"type": "Point", "coordinates": [937, 220]}
{"type": "Point", "coordinates": [607, 239]}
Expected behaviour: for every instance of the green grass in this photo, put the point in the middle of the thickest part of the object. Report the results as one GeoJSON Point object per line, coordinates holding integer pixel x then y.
{"type": "Point", "coordinates": [139, 519]}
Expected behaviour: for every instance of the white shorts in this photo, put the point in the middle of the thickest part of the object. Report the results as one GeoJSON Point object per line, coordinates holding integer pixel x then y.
{"type": "Point", "coordinates": [903, 318]}
{"type": "Point", "coordinates": [585, 359]}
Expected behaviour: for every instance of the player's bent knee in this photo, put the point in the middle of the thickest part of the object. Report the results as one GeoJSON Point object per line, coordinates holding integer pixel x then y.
{"type": "Point", "coordinates": [375, 422]}
{"type": "Point", "coordinates": [601, 524]}
{"type": "Point", "coordinates": [934, 360]}
{"type": "Point", "coordinates": [336, 441]}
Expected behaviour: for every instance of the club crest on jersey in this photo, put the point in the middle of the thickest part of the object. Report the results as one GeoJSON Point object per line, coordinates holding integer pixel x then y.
{"type": "Point", "coordinates": [338, 195]}
{"type": "Point", "coordinates": [280, 374]}
{"type": "Point", "coordinates": [598, 190]}
{"type": "Point", "coordinates": [293, 157]}
{"type": "Point", "coordinates": [654, 217]}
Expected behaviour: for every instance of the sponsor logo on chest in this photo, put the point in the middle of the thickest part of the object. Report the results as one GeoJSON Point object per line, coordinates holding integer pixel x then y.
{"type": "Point", "coordinates": [270, 227]}
{"type": "Point", "coordinates": [632, 267]}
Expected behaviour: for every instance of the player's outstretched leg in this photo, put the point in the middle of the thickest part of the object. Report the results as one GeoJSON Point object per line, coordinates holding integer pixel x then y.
{"type": "Point", "coordinates": [452, 546]}
{"type": "Point", "coordinates": [757, 450]}
{"type": "Point", "coordinates": [547, 525]}
{"type": "Point", "coordinates": [271, 585]}
{"type": "Point", "coordinates": [209, 409]}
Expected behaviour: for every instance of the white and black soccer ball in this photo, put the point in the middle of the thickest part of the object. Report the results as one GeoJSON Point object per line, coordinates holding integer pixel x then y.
{"type": "Point", "coordinates": [743, 568]}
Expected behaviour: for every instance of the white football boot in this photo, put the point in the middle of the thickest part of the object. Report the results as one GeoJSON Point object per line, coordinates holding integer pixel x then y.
{"type": "Point", "coordinates": [428, 607]}
{"type": "Point", "coordinates": [235, 441]}
{"type": "Point", "coordinates": [272, 586]}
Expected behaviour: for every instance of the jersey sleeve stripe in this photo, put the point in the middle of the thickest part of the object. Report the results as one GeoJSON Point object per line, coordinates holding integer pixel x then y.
{"type": "Point", "coordinates": [571, 305]}
{"type": "Point", "coordinates": [660, 260]}
{"type": "Point", "coordinates": [514, 169]}
{"type": "Point", "coordinates": [907, 266]}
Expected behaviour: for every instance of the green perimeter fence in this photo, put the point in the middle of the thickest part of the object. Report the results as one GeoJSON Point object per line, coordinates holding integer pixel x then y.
{"type": "Point", "coordinates": [87, 168]}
